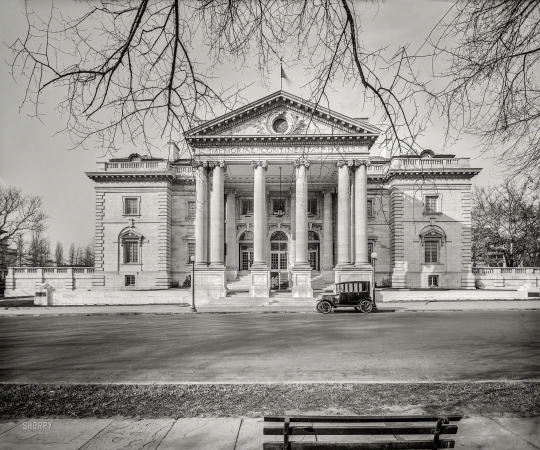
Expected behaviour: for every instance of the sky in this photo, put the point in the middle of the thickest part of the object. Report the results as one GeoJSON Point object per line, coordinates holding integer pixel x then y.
{"type": "Point", "coordinates": [37, 157]}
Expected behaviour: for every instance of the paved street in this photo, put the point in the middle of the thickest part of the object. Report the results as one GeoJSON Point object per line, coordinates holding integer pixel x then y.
{"type": "Point", "coordinates": [272, 347]}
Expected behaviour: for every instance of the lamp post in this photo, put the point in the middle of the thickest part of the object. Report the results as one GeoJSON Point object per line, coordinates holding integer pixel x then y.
{"type": "Point", "coordinates": [374, 262]}
{"type": "Point", "coordinates": [192, 259]}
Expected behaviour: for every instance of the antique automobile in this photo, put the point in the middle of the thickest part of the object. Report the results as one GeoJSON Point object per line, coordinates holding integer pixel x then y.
{"type": "Point", "coordinates": [351, 294]}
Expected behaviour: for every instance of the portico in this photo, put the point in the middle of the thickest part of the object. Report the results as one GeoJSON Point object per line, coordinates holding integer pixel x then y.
{"type": "Point", "coordinates": [281, 239]}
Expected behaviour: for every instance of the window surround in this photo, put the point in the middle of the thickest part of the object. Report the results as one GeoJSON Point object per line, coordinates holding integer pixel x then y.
{"type": "Point", "coordinates": [130, 276]}
{"type": "Point", "coordinates": [438, 204]}
{"type": "Point", "coordinates": [191, 212]}
{"type": "Point", "coordinates": [433, 233]}
{"type": "Point", "coordinates": [247, 213]}
{"type": "Point", "coordinates": [370, 212]}
{"type": "Point", "coordinates": [274, 203]}
{"type": "Point", "coordinates": [435, 278]}
{"type": "Point", "coordinates": [130, 236]}
{"type": "Point", "coordinates": [316, 200]}
{"type": "Point", "coordinates": [188, 253]}
{"type": "Point", "coordinates": [124, 206]}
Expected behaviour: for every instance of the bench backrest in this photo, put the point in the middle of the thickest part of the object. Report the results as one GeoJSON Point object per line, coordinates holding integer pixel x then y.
{"type": "Point", "coordinates": [361, 425]}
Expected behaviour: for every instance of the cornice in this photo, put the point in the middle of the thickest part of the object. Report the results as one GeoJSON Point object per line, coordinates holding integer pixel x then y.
{"type": "Point", "coordinates": [288, 140]}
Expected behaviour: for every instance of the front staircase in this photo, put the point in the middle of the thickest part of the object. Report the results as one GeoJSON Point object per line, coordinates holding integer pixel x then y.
{"type": "Point", "coordinates": [238, 294]}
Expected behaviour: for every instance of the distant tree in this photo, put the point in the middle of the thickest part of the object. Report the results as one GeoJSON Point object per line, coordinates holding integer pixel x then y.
{"type": "Point", "coordinates": [79, 256]}
{"type": "Point", "coordinates": [88, 256]}
{"type": "Point", "coordinates": [59, 254]}
{"type": "Point", "coordinates": [505, 221]}
{"type": "Point", "coordinates": [21, 249]}
{"type": "Point", "coordinates": [19, 214]}
{"type": "Point", "coordinates": [72, 256]}
{"type": "Point", "coordinates": [39, 250]}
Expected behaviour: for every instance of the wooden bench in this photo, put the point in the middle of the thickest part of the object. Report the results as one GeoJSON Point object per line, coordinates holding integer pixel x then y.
{"type": "Point", "coordinates": [361, 425]}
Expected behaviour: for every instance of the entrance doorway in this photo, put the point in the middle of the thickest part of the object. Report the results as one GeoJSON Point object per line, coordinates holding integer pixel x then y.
{"type": "Point", "coordinates": [279, 261]}
{"type": "Point", "coordinates": [313, 251]}
{"type": "Point", "coordinates": [246, 250]}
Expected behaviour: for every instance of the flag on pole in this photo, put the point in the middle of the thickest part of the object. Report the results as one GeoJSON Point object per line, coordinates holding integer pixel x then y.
{"type": "Point", "coordinates": [284, 77]}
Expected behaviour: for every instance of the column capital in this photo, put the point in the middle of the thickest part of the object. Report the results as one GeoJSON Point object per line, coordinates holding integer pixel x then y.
{"type": "Point", "coordinates": [348, 162]}
{"type": "Point", "coordinates": [231, 191]}
{"type": "Point", "coordinates": [197, 164]}
{"type": "Point", "coordinates": [263, 164]}
{"type": "Point", "coordinates": [221, 164]}
{"type": "Point", "coordinates": [302, 162]}
{"type": "Point", "coordinates": [362, 162]}
{"type": "Point", "coordinates": [329, 190]}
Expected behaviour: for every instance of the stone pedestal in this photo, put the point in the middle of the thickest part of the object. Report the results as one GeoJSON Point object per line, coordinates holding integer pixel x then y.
{"type": "Point", "coordinates": [260, 282]}
{"type": "Point", "coordinates": [301, 282]}
{"type": "Point", "coordinates": [467, 280]}
{"type": "Point", "coordinates": [210, 284]}
{"type": "Point", "coordinates": [364, 273]}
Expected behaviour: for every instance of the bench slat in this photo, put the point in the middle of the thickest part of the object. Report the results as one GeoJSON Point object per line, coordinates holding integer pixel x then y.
{"type": "Point", "coordinates": [363, 419]}
{"type": "Point", "coordinates": [389, 445]}
{"type": "Point", "coordinates": [365, 430]}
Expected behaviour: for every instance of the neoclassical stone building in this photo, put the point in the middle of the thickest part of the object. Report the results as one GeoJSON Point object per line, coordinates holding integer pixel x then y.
{"type": "Point", "coordinates": [281, 195]}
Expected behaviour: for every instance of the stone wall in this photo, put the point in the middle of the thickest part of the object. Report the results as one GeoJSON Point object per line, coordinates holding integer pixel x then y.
{"type": "Point", "coordinates": [510, 278]}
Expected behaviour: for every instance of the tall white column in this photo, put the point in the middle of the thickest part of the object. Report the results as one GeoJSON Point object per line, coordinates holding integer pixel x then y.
{"type": "Point", "coordinates": [259, 215]}
{"type": "Point", "coordinates": [301, 257]}
{"type": "Point", "coordinates": [230, 230]}
{"type": "Point", "coordinates": [217, 219]}
{"type": "Point", "coordinates": [292, 253]}
{"type": "Point", "coordinates": [352, 217]}
{"type": "Point", "coordinates": [361, 219]}
{"type": "Point", "coordinates": [201, 214]}
{"type": "Point", "coordinates": [344, 212]}
{"type": "Point", "coordinates": [328, 232]}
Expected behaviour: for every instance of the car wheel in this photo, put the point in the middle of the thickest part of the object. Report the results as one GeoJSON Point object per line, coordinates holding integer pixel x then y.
{"type": "Point", "coordinates": [366, 306]}
{"type": "Point", "coordinates": [324, 307]}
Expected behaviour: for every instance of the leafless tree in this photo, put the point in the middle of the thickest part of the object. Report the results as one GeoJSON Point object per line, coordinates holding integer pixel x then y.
{"type": "Point", "coordinates": [491, 54]}
{"type": "Point", "coordinates": [88, 256]}
{"type": "Point", "coordinates": [21, 249]}
{"type": "Point", "coordinates": [138, 69]}
{"type": "Point", "coordinates": [19, 214]}
{"type": "Point", "coordinates": [39, 250]}
{"type": "Point", "coordinates": [59, 254]}
{"type": "Point", "coordinates": [506, 222]}
{"type": "Point", "coordinates": [72, 258]}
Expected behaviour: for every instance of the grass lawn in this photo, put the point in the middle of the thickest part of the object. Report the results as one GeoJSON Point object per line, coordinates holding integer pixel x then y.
{"type": "Point", "coordinates": [520, 399]}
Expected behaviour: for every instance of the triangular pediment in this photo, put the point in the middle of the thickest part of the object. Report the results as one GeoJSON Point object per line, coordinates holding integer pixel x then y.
{"type": "Point", "coordinates": [282, 114]}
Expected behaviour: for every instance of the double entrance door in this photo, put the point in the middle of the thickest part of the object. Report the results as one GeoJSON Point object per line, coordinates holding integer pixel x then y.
{"type": "Point", "coordinates": [279, 266]}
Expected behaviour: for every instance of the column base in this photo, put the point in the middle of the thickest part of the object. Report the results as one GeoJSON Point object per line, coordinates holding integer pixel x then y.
{"type": "Point", "coordinates": [352, 273]}
{"type": "Point", "coordinates": [232, 273]}
{"type": "Point", "coordinates": [260, 282]}
{"type": "Point", "coordinates": [209, 284]}
{"type": "Point", "coordinates": [301, 282]}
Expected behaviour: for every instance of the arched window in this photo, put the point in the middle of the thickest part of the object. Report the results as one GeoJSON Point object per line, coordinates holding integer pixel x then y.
{"type": "Point", "coordinates": [279, 236]}
{"type": "Point", "coordinates": [433, 238]}
{"type": "Point", "coordinates": [312, 236]}
{"type": "Point", "coordinates": [246, 236]}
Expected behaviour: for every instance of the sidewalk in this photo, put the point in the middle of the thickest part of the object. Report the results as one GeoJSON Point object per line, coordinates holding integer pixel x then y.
{"type": "Point", "coordinates": [482, 305]}
{"type": "Point", "coordinates": [225, 434]}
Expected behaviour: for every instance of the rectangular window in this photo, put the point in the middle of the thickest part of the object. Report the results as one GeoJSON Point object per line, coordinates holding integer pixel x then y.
{"type": "Point", "coordinates": [312, 206]}
{"type": "Point", "coordinates": [432, 251]}
{"type": "Point", "coordinates": [432, 204]}
{"type": "Point", "coordinates": [247, 206]}
{"type": "Point", "coordinates": [433, 280]}
{"type": "Point", "coordinates": [191, 207]}
{"type": "Point", "coordinates": [130, 280]}
{"type": "Point", "coordinates": [131, 252]}
{"type": "Point", "coordinates": [191, 251]}
{"type": "Point", "coordinates": [370, 208]}
{"type": "Point", "coordinates": [278, 204]}
{"type": "Point", "coordinates": [370, 251]}
{"type": "Point", "coordinates": [131, 206]}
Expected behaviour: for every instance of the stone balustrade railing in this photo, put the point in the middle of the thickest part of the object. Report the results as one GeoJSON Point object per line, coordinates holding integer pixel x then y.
{"type": "Point", "coordinates": [506, 277]}
{"type": "Point", "coordinates": [428, 163]}
{"type": "Point", "coordinates": [24, 280]}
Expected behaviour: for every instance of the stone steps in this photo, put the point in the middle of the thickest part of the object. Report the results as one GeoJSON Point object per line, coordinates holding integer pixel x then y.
{"type": "Point", "coordinates": [244, 301]}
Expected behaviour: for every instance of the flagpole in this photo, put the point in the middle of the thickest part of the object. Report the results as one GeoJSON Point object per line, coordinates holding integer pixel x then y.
{"type": "Point", "coordinates": [281, 74]}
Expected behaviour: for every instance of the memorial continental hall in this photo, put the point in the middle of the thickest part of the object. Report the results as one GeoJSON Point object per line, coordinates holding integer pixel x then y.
{"type": "Point", "coordinates": [282, 197]}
